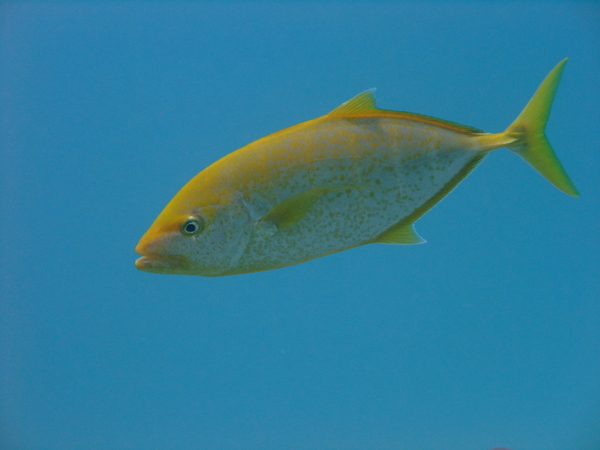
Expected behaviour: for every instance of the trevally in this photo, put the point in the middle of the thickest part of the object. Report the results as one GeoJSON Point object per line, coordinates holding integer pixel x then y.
{"type": "Point", "coordinates": [358, 175]}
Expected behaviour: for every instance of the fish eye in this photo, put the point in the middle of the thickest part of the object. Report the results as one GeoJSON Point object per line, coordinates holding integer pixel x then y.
{"type": "Point", "coordinates": [192, 226]}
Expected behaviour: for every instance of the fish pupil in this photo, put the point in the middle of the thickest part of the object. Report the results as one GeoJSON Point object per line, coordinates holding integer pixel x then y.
{"type": "Point", "coordinates": [191, 227]}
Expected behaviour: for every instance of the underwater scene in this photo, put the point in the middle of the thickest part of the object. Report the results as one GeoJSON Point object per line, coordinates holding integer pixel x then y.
{"type": "Point", "coordinates": [300, 225]}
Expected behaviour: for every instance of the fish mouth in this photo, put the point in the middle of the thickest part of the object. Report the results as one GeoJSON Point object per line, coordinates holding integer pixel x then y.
{"type": "Point", "coordinates": [154, 263]}
{"type": "Point", "coordinates": [150, 262]}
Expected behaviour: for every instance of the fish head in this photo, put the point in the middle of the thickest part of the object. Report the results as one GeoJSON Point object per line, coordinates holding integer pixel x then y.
{"type": "Point", "coordinates": [198, 233]}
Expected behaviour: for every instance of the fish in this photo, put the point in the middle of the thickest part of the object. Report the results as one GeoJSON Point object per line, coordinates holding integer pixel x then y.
{"type": "Point", "coordinates": [357, 175]}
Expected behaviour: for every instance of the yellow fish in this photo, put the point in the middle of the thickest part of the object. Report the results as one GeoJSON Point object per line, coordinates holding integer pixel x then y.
{"type": "Point", "coordinates": [358, 175]}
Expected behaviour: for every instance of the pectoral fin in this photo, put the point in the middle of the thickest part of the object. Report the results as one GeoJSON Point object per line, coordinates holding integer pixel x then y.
{"type": "Point", "coordinates": [402, 234]}
{"type": "Point", "coordinates": [290, 211]}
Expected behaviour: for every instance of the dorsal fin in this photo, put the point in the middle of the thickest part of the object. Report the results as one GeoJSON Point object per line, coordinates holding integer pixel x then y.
{"type": "Point", "coordinates": [363, 102]}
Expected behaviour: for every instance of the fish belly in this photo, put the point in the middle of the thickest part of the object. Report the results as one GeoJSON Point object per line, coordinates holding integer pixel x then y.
{"type": "Point", "coordinates": [380, 171]}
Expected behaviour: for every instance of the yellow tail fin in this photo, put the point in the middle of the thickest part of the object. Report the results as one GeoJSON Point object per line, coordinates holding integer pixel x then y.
{"type": "Point", "coordinates": [530, 141]}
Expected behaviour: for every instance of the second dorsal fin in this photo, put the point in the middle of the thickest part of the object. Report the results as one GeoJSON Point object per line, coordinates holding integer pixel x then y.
{"type": "Point", "coordinates": [363, 102]}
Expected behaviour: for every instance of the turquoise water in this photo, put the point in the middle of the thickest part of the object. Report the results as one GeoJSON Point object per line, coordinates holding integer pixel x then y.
{"type": "Point", "coordinates": [487, 336]}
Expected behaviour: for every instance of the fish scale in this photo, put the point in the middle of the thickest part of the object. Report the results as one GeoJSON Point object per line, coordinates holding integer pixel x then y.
{"type": "Point", "coordinates": [390, 185]}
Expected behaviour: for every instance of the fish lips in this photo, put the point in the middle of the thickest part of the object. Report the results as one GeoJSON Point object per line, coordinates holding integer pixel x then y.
{"type": "Point", "coordinates": [159, 264]}
{"type": "Point", "coordinates": [153, 261]}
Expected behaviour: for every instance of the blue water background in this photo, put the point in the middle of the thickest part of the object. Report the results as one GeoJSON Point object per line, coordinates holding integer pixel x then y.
{"type": "Point", "coordinates": [486, 336]}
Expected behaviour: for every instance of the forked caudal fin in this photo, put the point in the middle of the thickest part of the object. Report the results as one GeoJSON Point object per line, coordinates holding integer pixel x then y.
{"type": "Point", "coordinates": [529, 140]}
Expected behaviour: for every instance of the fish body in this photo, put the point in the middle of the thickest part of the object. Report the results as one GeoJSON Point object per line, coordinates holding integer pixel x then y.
{"type": "Point", "coordinates": [355, 176]}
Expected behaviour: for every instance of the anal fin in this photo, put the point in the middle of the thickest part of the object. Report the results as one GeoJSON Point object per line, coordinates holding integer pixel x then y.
{"type": "Point", "coordinates": [399, 234]}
